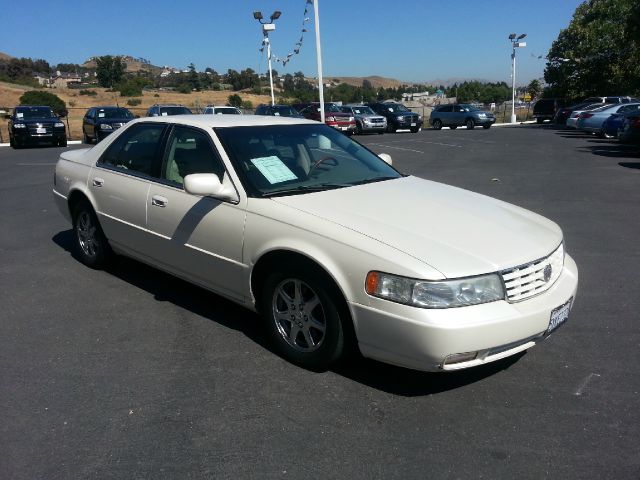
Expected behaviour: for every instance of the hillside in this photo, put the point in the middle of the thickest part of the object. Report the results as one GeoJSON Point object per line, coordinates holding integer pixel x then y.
{"type": "Point", "coordinates": [376, 81]}
{"type": "Point", "coordinates": [78, 104]}
{"type": "Point", "coordinates": [4, 56]}
{"type": "Point", "coordinates": [133, 65]}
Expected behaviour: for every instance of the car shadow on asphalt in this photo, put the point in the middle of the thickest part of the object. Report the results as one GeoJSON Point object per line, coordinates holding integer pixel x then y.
{"type": "Point", "coordinates": [381, 376]}
{"type": "Point", "coordinates": [611, 149]}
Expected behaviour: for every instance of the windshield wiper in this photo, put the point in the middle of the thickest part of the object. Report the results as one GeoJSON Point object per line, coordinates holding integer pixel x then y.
{"type": "Point", "coordinates": [306, 189]}
{"type": "Point", "coordinates": [372, 180]}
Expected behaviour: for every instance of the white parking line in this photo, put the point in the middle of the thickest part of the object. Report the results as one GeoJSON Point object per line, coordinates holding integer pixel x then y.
{"type": "Point", "coordinates": [34, 164]}
{"type": "Point", "coordinates": [395, 148]}
{"type": "Point", "coordinates": [437, 143]}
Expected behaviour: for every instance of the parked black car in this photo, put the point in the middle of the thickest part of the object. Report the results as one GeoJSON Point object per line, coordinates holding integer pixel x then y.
{"type": "Point", "coordinates": [99, 122]}
{"type": "Point", "coordinates": [398, 116]}
{"type": "Point", "coordinates": [168, 109]}
{"type": "Point", "coordinates": [36, 124]}
{"type": "Point", "coordinates": [546, 108]}
{"type": "Point", "coordinates": [278, 111]}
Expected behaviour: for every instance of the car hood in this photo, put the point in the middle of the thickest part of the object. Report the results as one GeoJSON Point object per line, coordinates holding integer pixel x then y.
{"type": "Point", "coordinates": [30, 121]}
{"type": "Point", "coordinates": [113, 120]}
{"type": "Point", "coordinates": [455, 231]}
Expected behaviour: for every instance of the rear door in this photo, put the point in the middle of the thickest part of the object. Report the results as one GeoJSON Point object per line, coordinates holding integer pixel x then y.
{"type": "Point", "coordinates": [120, 181]}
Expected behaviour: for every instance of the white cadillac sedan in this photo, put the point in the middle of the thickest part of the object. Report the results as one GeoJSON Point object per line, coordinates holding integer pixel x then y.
{"type": "Point", "coordinates": [330, 243]}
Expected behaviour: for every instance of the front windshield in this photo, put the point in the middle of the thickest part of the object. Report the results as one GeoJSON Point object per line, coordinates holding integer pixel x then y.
{"type": "Point", "coordinates": [469, 108]}
{"type": "Point", "coordinates": [174, 111]}
{"type": "Point", "coordinates": [363, 111]}
{"type": "Point", "coordinates": [331, 107]}
{"type": "Point", "coordinates": [33, 112]}
{"type": "Point", "coordinates": [114, 113]}
{"type": "Point", "coordinates": [396, 107]}
{"type": "Point", "coordinates": [227, 111]}
{"type": "Point", "coordinates": [288, 159]}
{"type": "Point", "coordinates": [285, 111]}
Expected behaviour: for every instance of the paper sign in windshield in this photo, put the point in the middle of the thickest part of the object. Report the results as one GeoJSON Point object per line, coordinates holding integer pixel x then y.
{"type": "Point", "coordinates": [20, 115]}
{"type": "Point", "coordinates": [273, 169]}
{"type": "Point", "coordinates": [101, 114]}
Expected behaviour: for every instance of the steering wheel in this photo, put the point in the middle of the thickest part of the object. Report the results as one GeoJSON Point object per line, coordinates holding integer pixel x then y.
{"type": "Point", "coordinates": [328, 159]}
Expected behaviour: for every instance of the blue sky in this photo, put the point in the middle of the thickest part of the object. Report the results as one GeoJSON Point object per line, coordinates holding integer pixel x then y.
{"type": "Point", "coordinates": [410, 40]}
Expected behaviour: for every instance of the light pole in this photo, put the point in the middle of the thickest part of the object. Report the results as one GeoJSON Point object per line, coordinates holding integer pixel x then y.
{"type": "Point", "coordinates": [316, 19]}
{"type": "Point", "coordinates": [266, 28]}
{"type": "Point", "coordinates": [515, 43]}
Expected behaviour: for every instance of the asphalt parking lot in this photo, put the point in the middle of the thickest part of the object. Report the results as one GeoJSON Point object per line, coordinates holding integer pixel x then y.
{"type": "Point", "coordinates": [132, 373]}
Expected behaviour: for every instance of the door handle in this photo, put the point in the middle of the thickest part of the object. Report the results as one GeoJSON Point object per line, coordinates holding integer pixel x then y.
{"type": "Point", "coordinates": [159, 201]}
{"type": "Point", "coordinates": [98, 182]}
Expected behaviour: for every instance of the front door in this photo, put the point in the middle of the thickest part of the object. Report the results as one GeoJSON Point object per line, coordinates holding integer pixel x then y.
{"type": "Point", "coordinates": [199, 238]}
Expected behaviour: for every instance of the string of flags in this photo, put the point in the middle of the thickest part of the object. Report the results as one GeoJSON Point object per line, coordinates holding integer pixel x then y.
{"type": "Point", "coordinates": [298, 46]}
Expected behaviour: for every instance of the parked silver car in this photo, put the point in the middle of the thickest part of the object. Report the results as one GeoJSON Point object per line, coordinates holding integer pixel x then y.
{"type": "Point", "coordinates": [366, 119]}
{"type": "Point", "coordinates": [591, 121]}
{"type": "Point", "coordinates": [453, 116]}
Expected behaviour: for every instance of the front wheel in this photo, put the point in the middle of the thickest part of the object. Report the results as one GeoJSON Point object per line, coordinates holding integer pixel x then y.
{"type": "Point", "coordinates": [453, 127]}
{"type": "Point", "coordinates": [470, 124]}
{"type": "Point", "coordinates": [487, 127]}
{"type": "Point", "coordinates": [415, 129]}
{"type": "Point", "coordinates": [62, 143]}
{"type": "Point", "coordinates": [91, 245]}
{"type": "Point", "coordinates": [391, 128]}
{"type": "Point", "coordinates": [437, 124]}
{"type": "Point", "coordinates": [302, 318]}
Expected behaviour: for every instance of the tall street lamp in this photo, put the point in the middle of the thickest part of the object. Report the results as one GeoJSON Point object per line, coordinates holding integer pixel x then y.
{"type": "Point", "coordinates": [266, 28]}
{"type": "Point", "coordinates": [515, 43]}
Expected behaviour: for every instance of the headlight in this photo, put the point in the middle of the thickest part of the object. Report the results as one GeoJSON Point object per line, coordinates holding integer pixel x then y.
{"type": "Point", "coordinates": [330, 119]}
{"type": "Point", "coordinates": [435, 294]}
{"type": "Point", "coordinates": [105, 126]}
{"type": "Point", "coordinates": [419, 117]}
{"type": "Point", "coordinates": [482, 115]}
{"type": "Point", "coordinates": [58, 125]}
{"type": "Point", "coordinates": [19, 125]}
{"type": "Point", "coordinates": [400, 119]}
{"type": "Point", "coordinates": [352, 119]}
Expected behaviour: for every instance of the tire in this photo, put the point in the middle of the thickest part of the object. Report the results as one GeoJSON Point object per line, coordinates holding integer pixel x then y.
{"type": "Point", "coordinates": [62, 143]}
{"type": "Point", "coordinates": [539, 120]}
{"type": "Point", "coordinates": [437, 124]}
{"type": "Point", "coordinates": [302, 317]}
{"type": "Point", "coordinates": [91, 246]}
{"type": "Point", "coordinates": [85, 139]}
{"type": "Point", "coordinates": [358, 128]}
{"type": "Point", "coordinates": [604, 134]}
{"type": "Point", "coordinates": [380, 133]}
{"type": "Point", "coordinates": [470, 124]}
{"type": "Point", "coordinates": [415, 129]}
{"type": "Point", "coordinates": [12, 144]}
{"type": "Point", "coordinates": [453, 127]}
{"type": "Point", "coordinates": [391, 128]}
{"type": "Point", "coordinates": [486, 127]}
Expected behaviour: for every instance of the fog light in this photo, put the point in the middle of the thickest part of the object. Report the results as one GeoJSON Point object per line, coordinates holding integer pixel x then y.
{"type": "Point", "coordinates": [460, 357]}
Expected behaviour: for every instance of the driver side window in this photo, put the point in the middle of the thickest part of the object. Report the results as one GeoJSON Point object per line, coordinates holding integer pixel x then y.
{"type": "Point", "coordinates": [190, 151]}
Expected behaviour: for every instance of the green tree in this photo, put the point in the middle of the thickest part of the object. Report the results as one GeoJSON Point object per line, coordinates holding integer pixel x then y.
{"type": "Point", "coordinates": [598, 53]}
{"type": "Point", "coordinates": [109, 70]}
{"type": "Point", "coordinates": [37, 97]}
{"type": "Point", "coordinates": [192, 78]}
{"type": "Point", "coordinates": [235, 100]}
{"type": "Point", "coordinates": [534, 89]}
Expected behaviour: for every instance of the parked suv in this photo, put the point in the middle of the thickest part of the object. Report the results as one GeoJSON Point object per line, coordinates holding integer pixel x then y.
{"type": "Point", "coordinates": [398, 116]}
{"type": "Point", "coordinates": [546, 108]}
{"type": "Point", "coordinates": [167, 109]}
{"type": "Point", "coordinates": [453, 116]}
{"type": "Point", "coordinates": [278, 111]}
{"type": "Point", "coordinates": [99, 122]}
{"type": "Point", "coordinates": [226, 110]}
{"type": "Point", "coordinates": [333, 116]}
{"type": "Point", "coordinates": [33, 124]}
{"type": "Point", "coordinates": [366, 119]}
{"type": "Point", "coordinates": [612, 99]}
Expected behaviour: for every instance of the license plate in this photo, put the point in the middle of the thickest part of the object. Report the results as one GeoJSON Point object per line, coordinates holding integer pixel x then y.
{"type": "Point", "coordinates": [413, 124]}
{"type": "Point", "coordinates": [344, 128]}
{"type": "Point", "coordinates": [559, 315]}
{"type": "Point", "coordinates": [41, 130]}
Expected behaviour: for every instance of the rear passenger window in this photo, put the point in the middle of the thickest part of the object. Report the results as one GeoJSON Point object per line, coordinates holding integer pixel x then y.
{"type": "Point", "coordinates": [136, 149]}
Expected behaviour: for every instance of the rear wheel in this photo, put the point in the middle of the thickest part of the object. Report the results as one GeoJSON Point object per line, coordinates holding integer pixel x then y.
{"type": "Point", "coordinates": [302, 317]}
{"type": "Point", "coordinates": [470, 124]}
{"type": "Point", "coordinates": [437, 124]}
{"type": "Point", "coordinates": [91, 245]}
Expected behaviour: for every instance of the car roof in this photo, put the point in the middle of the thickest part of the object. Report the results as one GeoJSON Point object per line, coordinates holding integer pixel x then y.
{"type": "Point", "coordinates": [210, 121]}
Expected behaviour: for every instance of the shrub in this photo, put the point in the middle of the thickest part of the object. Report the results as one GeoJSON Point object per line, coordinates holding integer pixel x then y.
{"type": "Point", "coordinates": [184, 88]}
{"type": "Point", "coordinates": [247, 105]}
{"type": "Point", "coordinates": [91, 93]}
{"type": "Point", "coordinates": [235, 100]}
{"type": "Point", "coordinates": [130, 89]}
{"type": "Point", "coordinates": [36, 97]}
{"type": "Point", "coordinates": [133, 102]}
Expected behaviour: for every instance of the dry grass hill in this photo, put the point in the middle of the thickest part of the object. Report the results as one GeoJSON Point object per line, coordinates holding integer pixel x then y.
{"type": "Point", "coordinates": [78, 104]}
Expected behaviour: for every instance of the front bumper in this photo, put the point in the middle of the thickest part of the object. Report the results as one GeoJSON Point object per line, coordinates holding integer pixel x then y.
{"type": "Point", "coordinates": [343, 126]}
{"type": "Point", "coordinates": [406, 123]}
{"type": "Point", "coordinates": [422, 339]}
{"type": "Point", "coordinates": [28, 138]}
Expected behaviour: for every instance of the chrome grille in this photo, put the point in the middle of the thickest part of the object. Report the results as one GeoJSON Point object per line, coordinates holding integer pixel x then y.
{"type": "Point", "coordinates": [528, 280]}
{"type": "Point", "coordinates": [116, 125]}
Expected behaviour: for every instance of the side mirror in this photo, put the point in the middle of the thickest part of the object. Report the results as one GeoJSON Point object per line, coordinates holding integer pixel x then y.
{"type": "Point", "coordinates": [386, 157]}
{"type": "Point", "coordinates": [208, 185]}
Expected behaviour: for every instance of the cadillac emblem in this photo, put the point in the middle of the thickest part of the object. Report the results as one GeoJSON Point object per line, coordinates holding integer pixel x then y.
{"type": "Point", "coordinates": [547, 273]}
